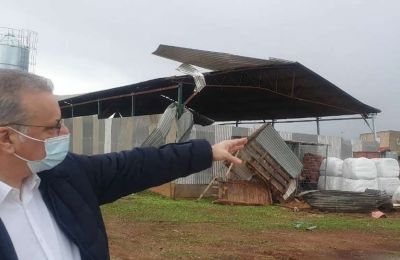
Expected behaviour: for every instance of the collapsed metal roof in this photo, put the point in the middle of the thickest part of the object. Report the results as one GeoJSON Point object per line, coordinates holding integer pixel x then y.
{"type": "Point", "coordinates": [240, 88]}
{"type": "Point", "coordinates": [212, 60]}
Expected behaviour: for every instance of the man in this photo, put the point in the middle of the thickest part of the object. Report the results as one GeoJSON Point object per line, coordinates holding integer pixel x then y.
{"type": "Point", "coordinates": [49, 198]}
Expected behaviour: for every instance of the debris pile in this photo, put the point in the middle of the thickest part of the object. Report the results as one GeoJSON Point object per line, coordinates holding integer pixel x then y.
{"type": "Point", "coordinates": [268, 160]}
{"type": "Point", "coordinates": [347, 201]}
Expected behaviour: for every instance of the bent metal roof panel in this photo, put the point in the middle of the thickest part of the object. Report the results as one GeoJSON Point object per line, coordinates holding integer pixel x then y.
{"type": "Point", "coordinates": [239, 88]}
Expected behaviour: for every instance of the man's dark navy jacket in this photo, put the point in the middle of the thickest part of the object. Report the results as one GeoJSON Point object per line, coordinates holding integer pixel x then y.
{"type": "Point", "coordinates": [74, 190]}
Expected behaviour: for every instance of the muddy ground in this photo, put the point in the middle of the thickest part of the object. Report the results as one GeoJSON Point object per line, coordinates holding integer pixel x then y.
{"type": "Point", "coordinates": [171, 240]}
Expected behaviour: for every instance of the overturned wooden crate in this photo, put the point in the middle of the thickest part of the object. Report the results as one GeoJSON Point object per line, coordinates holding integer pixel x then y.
{"type": "Point", "coordinates": [267, 158]}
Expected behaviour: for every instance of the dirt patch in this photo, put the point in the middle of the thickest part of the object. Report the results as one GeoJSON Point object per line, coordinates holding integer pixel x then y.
{"type": "Point", "coordinates": [171, 240]}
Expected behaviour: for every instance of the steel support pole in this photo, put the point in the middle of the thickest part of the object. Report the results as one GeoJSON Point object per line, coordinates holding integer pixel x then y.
{"type": "Point", "coordinates": [180, 101]}
{"type": "Point", "coordinates": [72, 108]}
{"type": "Point", "coordinates": [326, 163]}
{"type": "Point", "coordinates": [373, 127]}
{"type": "Point", "coordinates": [293, 80]}
{"type": "Point", "coordinates": [132, 105]}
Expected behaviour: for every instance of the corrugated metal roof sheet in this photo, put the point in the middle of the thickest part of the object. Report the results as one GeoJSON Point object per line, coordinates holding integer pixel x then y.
{"type": "Point", "coordinates": [211, 60]}
{"type": "Point", "coordinates": [198, 77]}
{"type": "Point", "coordinates": [347, 201]}
{"type": "Point", "coordinates": [272, 142]}
{"type": "Point", "coordinates": [157, 137]}
{"type": "Point", "coordinates": [205, 176]}
{"type": "Point", "coordinates": [244, 89]}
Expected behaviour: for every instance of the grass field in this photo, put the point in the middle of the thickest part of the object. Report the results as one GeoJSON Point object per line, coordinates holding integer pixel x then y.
{"type": "Point", "coordinates": [149, 207]}
{"type": "Point", "coordinates": [148, 226]}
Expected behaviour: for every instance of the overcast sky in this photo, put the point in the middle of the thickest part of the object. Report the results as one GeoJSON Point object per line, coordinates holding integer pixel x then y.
{"type": "Point", "coordinates": [91, 45]}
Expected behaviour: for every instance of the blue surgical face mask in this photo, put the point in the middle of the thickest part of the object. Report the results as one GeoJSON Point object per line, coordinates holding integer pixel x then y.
{"type": "Point", "coordinates": [56, 151]}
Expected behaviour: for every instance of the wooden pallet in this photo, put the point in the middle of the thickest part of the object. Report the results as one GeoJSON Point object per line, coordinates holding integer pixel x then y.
{"type": "Point", "coordinates": [259, 163]}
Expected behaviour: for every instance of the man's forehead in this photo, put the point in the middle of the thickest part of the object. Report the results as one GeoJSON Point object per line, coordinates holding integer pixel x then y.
{"type": "Point", "coordinates": [41, 105]}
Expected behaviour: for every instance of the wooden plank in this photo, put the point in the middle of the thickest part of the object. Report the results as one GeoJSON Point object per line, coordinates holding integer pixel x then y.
{"type": "Point", "coordinates": [244, 192]}
{"type": "Point", "coordinates": [275, 183]}
{"type": "Point", "coordinates": [271, 160]}
{"type": "Point", "coordinates": [268, 168]}
{"type": "Point", "coordinates": [265, 171]}
{"type": "Point", "coordinates": [212, 181]}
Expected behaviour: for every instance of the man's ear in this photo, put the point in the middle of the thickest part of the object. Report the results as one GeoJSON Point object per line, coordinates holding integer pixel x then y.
{"type": "Point", "coordinates": [6, 140]}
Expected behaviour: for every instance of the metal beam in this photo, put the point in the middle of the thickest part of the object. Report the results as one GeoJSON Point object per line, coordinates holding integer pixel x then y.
{"type": "Point", "coordinates": [293, 81]}
{"type": "Point", "coordinates": [180, 101]}
{"type": "Point", "coordinates": [133, 105]}
{"type": "Point", "coordinates": [294, 121]}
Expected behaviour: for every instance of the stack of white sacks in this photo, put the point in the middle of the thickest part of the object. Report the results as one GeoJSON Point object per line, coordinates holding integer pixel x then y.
{"type": "Point", "coordinates": [334, 174]}
{"type": "Point", "coordinates": [388, 174]}
{"type": "Point", "coordinates": [358, 174]}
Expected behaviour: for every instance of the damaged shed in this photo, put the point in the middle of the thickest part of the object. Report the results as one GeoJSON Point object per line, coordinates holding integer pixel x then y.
{"type": "Point", "coordinates": [236, 89]}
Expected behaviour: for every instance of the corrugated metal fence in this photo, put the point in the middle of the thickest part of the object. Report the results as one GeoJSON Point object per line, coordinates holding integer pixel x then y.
{"type": "Point", "coordinates": [92, 136]}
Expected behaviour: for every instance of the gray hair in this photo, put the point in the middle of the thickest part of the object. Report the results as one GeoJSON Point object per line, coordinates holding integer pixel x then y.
{"type": "Point", "coordinates": [12, 84]}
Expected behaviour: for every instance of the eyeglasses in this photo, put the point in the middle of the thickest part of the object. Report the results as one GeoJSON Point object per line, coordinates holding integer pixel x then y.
{"type": "Point", "coordinates": [56, 127]}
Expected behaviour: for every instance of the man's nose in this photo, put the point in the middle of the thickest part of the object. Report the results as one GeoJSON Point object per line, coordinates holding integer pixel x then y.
{"type": "Point", "coordinates": [64, 130]}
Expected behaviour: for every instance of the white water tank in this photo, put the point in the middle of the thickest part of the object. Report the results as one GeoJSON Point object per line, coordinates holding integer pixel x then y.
{"type": "Point", "coordinates": [17, 49]}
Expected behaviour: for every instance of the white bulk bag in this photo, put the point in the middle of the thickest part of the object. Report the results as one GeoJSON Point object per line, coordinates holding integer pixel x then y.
{"type": "Point", "coordinates": [359, 169]}
{"type": "Point", "coordinates": [333, 168]}
{"type": "Point", "coordinates": [359, 185]}
{"type": "Point", "coordinates": [396, 196]}
{"type": "Point", "coordinates": [387, 167]}
{"type": "Point", "coordinates": [332, 183]}
{"type": "Point", "coordinates": [388, 185]}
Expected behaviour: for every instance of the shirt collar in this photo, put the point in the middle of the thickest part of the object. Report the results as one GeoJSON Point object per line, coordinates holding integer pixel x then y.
{"type": "Point", "coordinates": [30, 183]}
{"type": "Point", "coordinates": [4, 190]}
